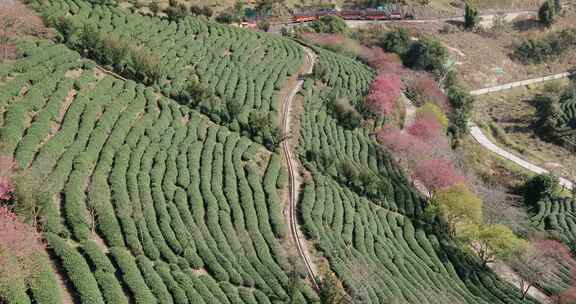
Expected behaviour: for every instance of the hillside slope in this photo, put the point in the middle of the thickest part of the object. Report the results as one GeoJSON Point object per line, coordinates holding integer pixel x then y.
{"type": "Point", "coordinates": [367, 219]}
{"type": "Point", "coordinates": [146, 180]}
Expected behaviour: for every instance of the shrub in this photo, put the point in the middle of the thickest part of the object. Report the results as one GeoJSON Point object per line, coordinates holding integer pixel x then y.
{"type": "Point", "coordinates": [111, 288]}
{"type": "Point", "coordinates": [540, 187]}
{"type": "Point", "coordinates": [98, 259]}
{"type": "Point", "coordinates": [44, 286]}
{"type": "Point", "coordinates": [546, 48]}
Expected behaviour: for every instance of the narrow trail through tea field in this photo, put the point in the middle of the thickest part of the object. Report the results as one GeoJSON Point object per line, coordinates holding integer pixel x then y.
{"type": "Point", "coordinates": [293, 170]}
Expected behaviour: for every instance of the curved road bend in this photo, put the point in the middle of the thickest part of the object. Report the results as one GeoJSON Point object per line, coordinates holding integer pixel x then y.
{"type": "Point", "coordinates": [293, 174]}
{"type": "Point", "coordinates": [485, 142]}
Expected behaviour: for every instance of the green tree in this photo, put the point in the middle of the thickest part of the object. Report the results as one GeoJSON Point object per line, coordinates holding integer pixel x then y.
{"type": "Point", "coordinates": [396, 41]}
{"type": "Point", "coordinates": [540, 187]}
{"type": "Point", "coordinates": [239, 9]}
{"type": "Point", "coordinates": [461, 102]}
{"type": "Point", "coordinates": [329, 24]}
{"type": "Point", "coordinates": [471, 17]}
{"type": "Point", "coordinates": [89, 40]}
{"type": "Point", "coordinates": [458, 206]}
{"type": "Point", "coordinates": [491, 241]}
{"type": "Point", "coordinates": [427, 54]}
{"type": "Point", "coordinates": [146, 66]}
{"type": "Point", "coordinates": [547, 13]}
{"type": "Point", "coordinates": [548, 112]}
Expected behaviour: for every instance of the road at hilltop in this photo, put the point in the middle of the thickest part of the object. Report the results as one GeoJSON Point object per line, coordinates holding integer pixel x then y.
{"type": "Point", "coordinates": [364, 23]}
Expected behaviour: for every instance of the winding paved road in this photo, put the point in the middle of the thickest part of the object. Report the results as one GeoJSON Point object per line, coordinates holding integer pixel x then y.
{"type": "Point", "coordinates": [485, 142]}
{"type": "Point", "coordinates": [293, 174]}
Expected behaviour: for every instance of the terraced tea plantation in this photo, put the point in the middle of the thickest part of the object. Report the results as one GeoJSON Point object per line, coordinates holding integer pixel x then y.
{"type": "Point", "coordinates": [237, 66]}
{"type": "Point", "coordinates": [567, 121]}
{"type": "Point", "coordinates": [557, 217]}
{"type": "Point", "coordinates": [143, 200]}
{"type": "Point", "coordinates": [366, 219]}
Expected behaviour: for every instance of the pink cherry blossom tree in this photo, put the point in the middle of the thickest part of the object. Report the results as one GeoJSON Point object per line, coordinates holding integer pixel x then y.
{"type": "Point", "coordinates": [436, 173]}
{"type": "Point", "coordinates": [426, 127]}
{"type": "Point", "coordinates": [384, 62]}
{"type": "Point", "coordinates": [401, 143]}
{"type": "Point", "coordinates": [384, 93]}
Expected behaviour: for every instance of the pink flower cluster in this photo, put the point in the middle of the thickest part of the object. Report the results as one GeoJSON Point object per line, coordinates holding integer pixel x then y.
{"type": "Point", "coordinates": [384, 93]}
{"type": "Point", "coordinates": [384, 62]}
{"type": "Point", "coordinates": [426, 127]}
{"type": "Point", "coordinates": [425, 150]}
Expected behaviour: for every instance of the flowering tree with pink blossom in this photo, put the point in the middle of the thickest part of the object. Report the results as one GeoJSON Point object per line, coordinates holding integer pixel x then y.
{"type": "Point", "coordinates": [383, 62]}
{"type": "Point", "coordinates": [401, 143]}
{"type": "Point", "coordinates": [384, 93]}
{"type": "Point", "coordinates": [20, 245]}
{"type": "Point", "coordinates": [426, 127]}
{"type": "Point", "coordinates": [424, 89]}
{"type": "Point", "coordinates": [437, 173]}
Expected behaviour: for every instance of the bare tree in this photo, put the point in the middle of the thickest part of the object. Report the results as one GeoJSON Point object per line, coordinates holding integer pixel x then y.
{"type": "Point", "coordinates": [539, 262]}
{"type": "Point", "coordinates": [500, 207]}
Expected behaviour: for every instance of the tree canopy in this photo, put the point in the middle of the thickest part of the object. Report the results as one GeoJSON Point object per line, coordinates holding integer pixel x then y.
{"type": "Point", "coordinates": [547, 13]}
{"type": "Point", "coordinates": [457, 205]}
